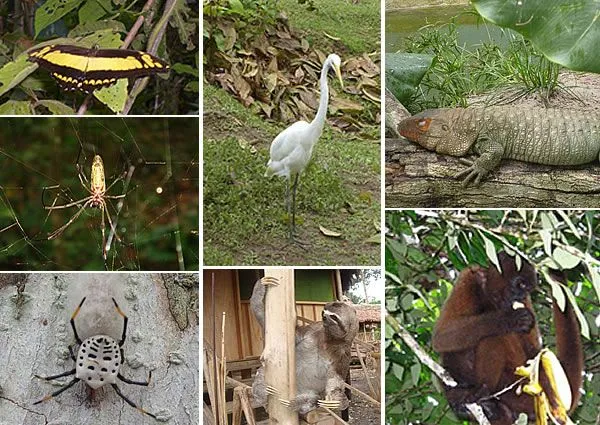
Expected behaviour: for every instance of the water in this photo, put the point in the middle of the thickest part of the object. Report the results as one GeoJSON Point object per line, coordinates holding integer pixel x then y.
{"type": "Point", "coordinates": [471, 29]}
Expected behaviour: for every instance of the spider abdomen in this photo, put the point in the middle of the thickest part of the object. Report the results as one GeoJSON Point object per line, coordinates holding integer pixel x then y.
{"type": "Point", "coordinates": [98, 361]}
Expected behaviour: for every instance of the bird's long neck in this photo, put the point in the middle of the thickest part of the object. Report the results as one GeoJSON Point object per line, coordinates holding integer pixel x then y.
{"type": "Point", "coordinates": [319, 119]}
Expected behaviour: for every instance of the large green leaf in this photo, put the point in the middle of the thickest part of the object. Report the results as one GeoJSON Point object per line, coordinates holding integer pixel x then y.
{"type": "Point", "coordinates": [404, 72]}
{"type": "Point", "coordinates": [565, 31]}
{"type": "Point", "coordinates": [52, 11]}
{"type": "Point", "coordinates": [15, 72]}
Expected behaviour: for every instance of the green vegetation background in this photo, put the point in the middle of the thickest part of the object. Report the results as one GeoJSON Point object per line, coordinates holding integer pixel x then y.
{"type": "Point", "coordinates": [36, 153]}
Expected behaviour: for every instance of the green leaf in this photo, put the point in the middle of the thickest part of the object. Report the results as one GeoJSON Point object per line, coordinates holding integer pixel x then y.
{"type": "Point", "coordinates": [13, 73]}
{"type": "Point", "coordinates": [114, 96]}
{"type": "Point", "coordinates": [398, 371]}
{"type": "Point", "coordinates": [392, 384]}
{"type": "Point", "coordinates": [565, 259]}
{"type": "Point", "coordinates": [57, 108]}
{"type": "Point", "coordinates": [52, 11]}
{"type": "Point", "coordinates": [193, 86]}
{"type": "Point", "coordinates": [490, 251]}
{"type": "Point", "coordinates": [182, 68]}
{"type": "Point", "coordinates": [236, 6]}
{"type": "Point", "coordinates": [415, 373]}
{"type": "Point", "coordinates": [595, 280]}
{"type": "Point", "coordinates": [404, 72]}
{"type": "Point", "coordinates": [557, 293]}
{"type": "Point", "coordinates": [93, 10]}
{"type": "Point", "coordinates": [547, 239]}
{"type": "Point", "coordinates": [108, 29]}
{"type": "Point", "coordinates": [567, 220]}
{"type": "Point", "coordinates": [17, 107]}
{"type": "Point", "coordinates": [585, 328]}
{"type": "Point", "coordinates": [185, 25]}
{"type": "Point", "coordinates": [565, 31]}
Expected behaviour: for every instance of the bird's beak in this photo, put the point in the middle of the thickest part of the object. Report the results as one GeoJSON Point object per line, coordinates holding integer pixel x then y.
{"type": "Point", "coordinates": [339, 75]}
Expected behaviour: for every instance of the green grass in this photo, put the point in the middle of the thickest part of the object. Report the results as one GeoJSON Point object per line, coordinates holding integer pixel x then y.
{"type": "Point", "coordinates": [245, 221]}
{"type": "Point", "coordinates": [457, 73]}
{"type": "Point", "coordinates": [356, 24]}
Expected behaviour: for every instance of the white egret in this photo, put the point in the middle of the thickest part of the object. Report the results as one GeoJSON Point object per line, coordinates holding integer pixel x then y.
{"type": "Point", "coordinates": [292, 149]}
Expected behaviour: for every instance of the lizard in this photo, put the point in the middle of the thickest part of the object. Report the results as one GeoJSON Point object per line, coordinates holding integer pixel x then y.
{"type": "Point", "coordinates": [543, 136]}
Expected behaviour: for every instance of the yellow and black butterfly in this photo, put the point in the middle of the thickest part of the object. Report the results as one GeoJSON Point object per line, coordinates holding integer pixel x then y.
{"type": "Point", "coordinates": [84, 69]}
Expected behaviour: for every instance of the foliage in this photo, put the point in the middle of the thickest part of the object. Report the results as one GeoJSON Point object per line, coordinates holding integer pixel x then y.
{"type": "Point", "coordinates": [171, 26]}
{"type": "Point", "coordinates": [404, 72]}
{"type": "Point", "coordinates": [457, 73]}
{"type": "Point", "coordinates": [424, 251]}
{"type": "Point", "coordinates": [544, 22]}
{"type": "Point", "coordinates": [272, 69]}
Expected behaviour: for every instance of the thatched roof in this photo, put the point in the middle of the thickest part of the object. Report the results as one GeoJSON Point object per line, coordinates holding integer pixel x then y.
{"type": "Point", "coordinates": [368, 312]}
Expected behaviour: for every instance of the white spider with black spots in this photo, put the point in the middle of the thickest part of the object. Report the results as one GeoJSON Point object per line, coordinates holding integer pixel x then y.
{"type": "Point", "coordinates": [97, 362]}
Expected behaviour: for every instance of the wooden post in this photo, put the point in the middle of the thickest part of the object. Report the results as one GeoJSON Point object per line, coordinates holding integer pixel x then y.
{"type": "Point", "coordinates": [338, 285]}
{"type": "Point", "coordinates": [280, 345]}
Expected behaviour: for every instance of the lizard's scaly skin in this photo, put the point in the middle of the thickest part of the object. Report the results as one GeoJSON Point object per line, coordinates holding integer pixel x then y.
{"type": "Point", "coordinates": [538, 135]}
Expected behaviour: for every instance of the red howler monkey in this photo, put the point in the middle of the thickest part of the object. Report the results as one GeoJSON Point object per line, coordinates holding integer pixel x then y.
{"type": "Point", "coordinates": [482, 339]}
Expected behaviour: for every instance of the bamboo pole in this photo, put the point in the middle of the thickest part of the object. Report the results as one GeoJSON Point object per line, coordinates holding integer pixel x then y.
{"type": "Point", "coordinates": [366, 372]}
{"type": "Point", "coordinates": [280, 345]}
{"type": "Point", "coordinates": [215, 407]}
{"type": "Point", "coordinates": [223, 374]}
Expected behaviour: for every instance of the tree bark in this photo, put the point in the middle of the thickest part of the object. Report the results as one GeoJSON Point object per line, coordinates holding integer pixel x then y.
{"type": "Point", "coordinates": [418, 178]}
{"type": "Point", "coordinates": [162, 336]}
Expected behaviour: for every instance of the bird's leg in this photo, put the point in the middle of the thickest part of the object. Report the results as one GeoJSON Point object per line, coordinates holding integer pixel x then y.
{"type": "Point", "coordinates": [293, 238]}
{"type": "Point", "coordinates": [288, 209]}
{"type": "Point", "coordinates": [293, 231]}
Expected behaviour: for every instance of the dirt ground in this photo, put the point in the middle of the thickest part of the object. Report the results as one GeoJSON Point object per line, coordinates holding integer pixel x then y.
{"type": "Point", "coordinates": [361, 411]}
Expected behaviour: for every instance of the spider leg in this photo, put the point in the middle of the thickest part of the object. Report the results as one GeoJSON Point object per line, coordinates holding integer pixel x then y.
{"type": "Point", "coordinates": [117, 196]}
{"type": "Point", "coordinates": [72, 353]}
{"type": "Point", "coordinates": [44, 189]}
{"type": "Point", "coordinates": [70, 204]}
{"type": "Point", "coordinates": [129, 381]}
{"type": "Point", "coordinates": [131, 403]}
{"type": "Point", "coordinates": [80, 174]}
{"type": "Point", "coordinates": [113, 231]}
{"type": "Point", "coordinates": [124, 335]}
{"type": "Point", "coordinates": [75, 313]}
{"type": "Point", "coordinates": [103, 206]}
{"type": "Point", "coordinates": [54, 394]}
{"type": "Point", "coordinates": [60, 375]}
{"type": "Point", "coordinates": [117, 180]}
{"type": "Point", "coordinates": [62, 228]}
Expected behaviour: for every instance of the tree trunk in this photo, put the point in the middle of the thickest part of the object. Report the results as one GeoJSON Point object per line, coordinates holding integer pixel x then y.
{"type": "Point", "coordinates": [162, 336]}
{"type": "Point", "coordinates": [418, 178]}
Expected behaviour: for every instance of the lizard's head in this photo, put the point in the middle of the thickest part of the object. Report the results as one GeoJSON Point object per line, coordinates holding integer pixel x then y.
{"type": "Point", "coordinates": [435, 130]}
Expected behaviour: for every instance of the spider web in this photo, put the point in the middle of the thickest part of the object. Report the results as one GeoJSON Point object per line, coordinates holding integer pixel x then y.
{"type": "Point", "coordinates": [153, 161]}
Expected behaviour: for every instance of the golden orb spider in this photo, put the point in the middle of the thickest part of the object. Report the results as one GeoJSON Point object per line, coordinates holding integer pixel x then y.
{"type": "Point", "coordinates": [97, 199]}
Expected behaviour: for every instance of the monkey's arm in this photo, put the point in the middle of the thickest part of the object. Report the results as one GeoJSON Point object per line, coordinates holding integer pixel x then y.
{"type": "Point", "coordinates": [463, 333]}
